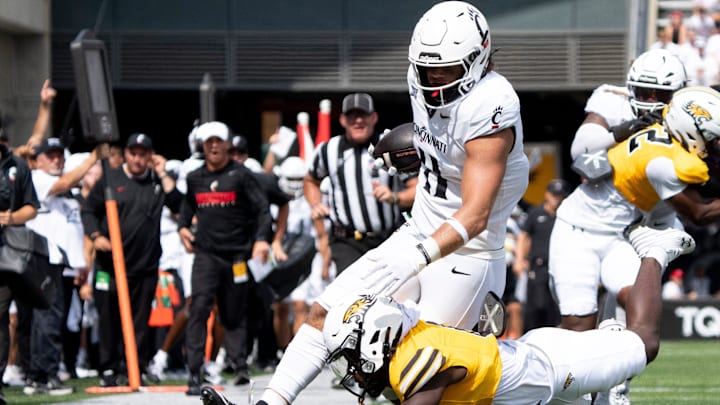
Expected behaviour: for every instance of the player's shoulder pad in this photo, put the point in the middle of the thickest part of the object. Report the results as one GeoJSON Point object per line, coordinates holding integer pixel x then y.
{"type": "Point", "coordinates": [492, 106]}
{"type": "Point", "coordinates": [689, 168]}
{"type": "Point", "coordinates": [612, 89]}
{"type": "Point", "coordinates": [605, 100]}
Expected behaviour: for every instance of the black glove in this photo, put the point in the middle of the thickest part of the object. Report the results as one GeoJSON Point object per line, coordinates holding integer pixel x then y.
{"type": "Point", "coordinates": [623, 131]}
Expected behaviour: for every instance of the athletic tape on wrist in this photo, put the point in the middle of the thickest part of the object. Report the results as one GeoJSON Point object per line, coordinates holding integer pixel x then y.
{"type": "Point", "coordinates": [429, 249]}
{"type": "Point", "coordinates": [458, 227]}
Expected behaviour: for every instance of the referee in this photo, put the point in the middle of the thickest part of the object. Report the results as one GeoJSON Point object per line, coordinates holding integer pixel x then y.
{"type": "Point", "coordinates": [364, 203]}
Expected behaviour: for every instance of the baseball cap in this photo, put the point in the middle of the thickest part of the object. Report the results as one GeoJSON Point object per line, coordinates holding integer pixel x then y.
{"type": "Point", "coordinates": [213, 129]}
{"type": "Point", "coordinates": [358, 101]}
{"type": "Point", "coordinates": [48, 145]}
{"type": "Point", "coordinates": [141, 140]}
{"type": "Point", "coordinates": [558, 187]}
{"type": "Point", "coordinates": [239, 143]}
{"type": "Point", "coordinates": [676, 273]}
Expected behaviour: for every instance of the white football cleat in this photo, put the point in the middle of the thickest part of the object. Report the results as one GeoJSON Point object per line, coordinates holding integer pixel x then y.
{"type": "Point", "coordinates": [662, 244]}
{"type": "Point", "coordinates": [612, 324]}
{"type": "Point", "coordinates": [617, 395]}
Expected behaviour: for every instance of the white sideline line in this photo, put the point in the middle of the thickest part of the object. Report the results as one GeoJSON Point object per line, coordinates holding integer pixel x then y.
{"type": "Point", "coordinates": [673, 389]}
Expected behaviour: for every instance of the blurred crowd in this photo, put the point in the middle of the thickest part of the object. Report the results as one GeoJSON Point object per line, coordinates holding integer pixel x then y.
{"type": "Point", "coordinates": [695, 37]}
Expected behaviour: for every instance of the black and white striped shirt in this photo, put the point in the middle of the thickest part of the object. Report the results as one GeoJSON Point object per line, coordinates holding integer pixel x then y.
{"type": "Point", "coordinates": [351, 173]}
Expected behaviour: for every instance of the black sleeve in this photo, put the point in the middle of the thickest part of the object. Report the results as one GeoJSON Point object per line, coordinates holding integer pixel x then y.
{"type": "Point", "coordinates": [24, 189]}
{"type": "Point", "coordinates": [93, 211]}
{"type": "Point", "coordinates": [529, 223]}
{"type": "Point", "coordinates": [188, 207]}
{"type": "Point", "coordinates": [259, 203]}
{"type": "Point", "coordinates": [173, 200]}
{"type": "Point", "coordinates": [318, 168]}
{"type": "Point", "coordinates": [273, 192]}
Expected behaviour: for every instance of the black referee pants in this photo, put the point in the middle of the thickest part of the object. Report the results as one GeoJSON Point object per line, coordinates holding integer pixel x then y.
{"type": "Point", "coordinates": [345, 251]}
{"type": "Point", "coordinates": [540, 308]}
{"type": "Point", "coordinates": [212, 278]}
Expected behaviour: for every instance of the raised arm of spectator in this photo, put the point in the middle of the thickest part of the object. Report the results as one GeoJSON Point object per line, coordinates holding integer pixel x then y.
{"type": "Point", "coordinates": [173, 197]}
{"type": "Point", "coordinates": [42, 122]}
{"type": "Point", "coordinates": [72, 178]}
{"type": "Point", "coordinates": [158, 165]}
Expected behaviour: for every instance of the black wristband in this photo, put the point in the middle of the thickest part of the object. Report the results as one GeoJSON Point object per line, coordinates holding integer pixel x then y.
{"type": "Point", "coordinates": [424, 252]}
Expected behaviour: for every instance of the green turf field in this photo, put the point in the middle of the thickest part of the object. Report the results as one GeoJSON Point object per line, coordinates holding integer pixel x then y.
{"type": "Point", "coordinates": [685, 372]}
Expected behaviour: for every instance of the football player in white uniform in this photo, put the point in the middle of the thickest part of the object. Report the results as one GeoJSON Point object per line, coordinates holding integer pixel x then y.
{"type": "Point", "coordinates": [469, 137]}
{"type": "Point", "coordinates": [655, 166]}
{"type": "Point", "coordinates": [380, 345]}
{"type": "Point", "coordinates": [613, 114]}
{"type": "Point", "coordinates": [376, 342]}
{"type": "Point", "coordinates": [609, 109]}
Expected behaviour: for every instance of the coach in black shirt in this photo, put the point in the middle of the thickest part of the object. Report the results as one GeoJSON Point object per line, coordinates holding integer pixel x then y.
{"type": "Point", "coordinates": [233, 225]}
{"type": "Point", "coordinates": [140, 193]}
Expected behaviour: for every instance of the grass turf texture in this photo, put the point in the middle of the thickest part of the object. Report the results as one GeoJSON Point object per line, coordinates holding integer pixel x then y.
{"type": "Point", "coordinates": [685, 372]}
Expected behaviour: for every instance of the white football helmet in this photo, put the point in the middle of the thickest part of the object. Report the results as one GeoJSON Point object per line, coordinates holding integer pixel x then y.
{"type": "Point", "coordinates": [195, 144]}
{"type": "Point", "coordinates": [451, 33]}
{"type": "Point", "coordinates": [172, 168]}
{"type": "Point", "coordinates": [291, 175]}
{"type": "Point", "coordinates": [361, 334]}
{"type": "Point", "coordinates": [253, 165]}
{"type": "Point", "coordinates": [653, 78]}
{"type": "Point", "coordinates": [693, 118]}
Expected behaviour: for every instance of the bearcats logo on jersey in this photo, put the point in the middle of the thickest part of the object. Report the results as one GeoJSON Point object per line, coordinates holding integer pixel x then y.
{"type": "Point", "coordinates": [496, 117]}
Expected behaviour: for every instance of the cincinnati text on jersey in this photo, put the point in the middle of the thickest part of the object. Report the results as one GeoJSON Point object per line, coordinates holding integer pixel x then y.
{"type": "Point", "coordinates": [215, 199]}
{"type": "Point", "coordinates": [425, 136]}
